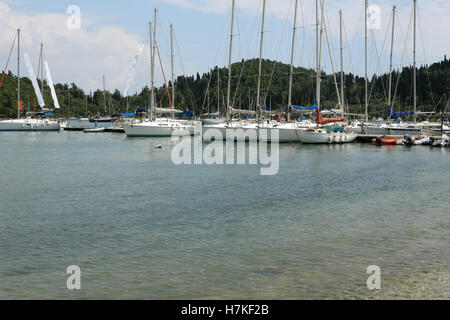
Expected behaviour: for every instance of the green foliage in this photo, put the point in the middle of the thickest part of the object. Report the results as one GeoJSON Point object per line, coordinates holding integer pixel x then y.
{"type": "Point", "coordinates": [191, 91]}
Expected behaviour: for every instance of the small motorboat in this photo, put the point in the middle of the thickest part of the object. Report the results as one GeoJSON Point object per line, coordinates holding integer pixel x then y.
{"type": "Point", "coordinates": [416, 141]}
{"type": "Point", "coordinates": [94, 130]}
{"type": "Point", "coordinates": [386, 141]}
{"type": "Point", "coordinates": [422, 140]}
{"type": "Point", "coordinates": [442, 143]}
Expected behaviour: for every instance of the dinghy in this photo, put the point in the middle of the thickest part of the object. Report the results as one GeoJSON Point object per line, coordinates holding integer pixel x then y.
{"type": "Point", "coordinates": [94, 130]}
{"type": "Point", "coordinates": [386, 141]}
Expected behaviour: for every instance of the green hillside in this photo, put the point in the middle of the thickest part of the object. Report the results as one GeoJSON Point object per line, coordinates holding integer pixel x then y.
{"type": "Point", "coordinates": [433, 82]}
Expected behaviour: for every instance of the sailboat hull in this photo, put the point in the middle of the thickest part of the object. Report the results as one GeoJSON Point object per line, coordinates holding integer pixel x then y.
{"type": "Point", "coordinates": [379, 130]}
{"type": "Point", "coordinates": [312, 137]}
{"type": "Point", "coordinates": [253, 132]}
{"type": "Point", "coordinates": [29, 125]}
{"type": "Point", "coordinates": [156, 130]}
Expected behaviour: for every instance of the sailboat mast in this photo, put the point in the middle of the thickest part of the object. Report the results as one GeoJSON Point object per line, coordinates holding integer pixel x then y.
{"type": "Point", "coordinates": [258, 102]}
{"type": "Point", "coordinates": [151, 71]}
{"type": "Point", "coordinates": [291, 74]}
{"type": "Point", "coordinates": [218, 90]}
{"type": "Point", "coordinates": [319, 66]}
{"type": "Point", "coordinates": [342, 62]}
{"type": "Point", "coordinates": [18, 73]}
{"type": "Point", "coordinates": [366, 114]}
{"type": "Point", "coordinates": [104, 94]}
{"type": "Point", "coordinates": [153, 63]}
{"type": "Point", "coordinates": [392, 50]}
{"type": "Point", "coordinates": [68, 98]}
{"type": "Point", "coordinates": [414, 58]}
{"type": "Point", "coordinates": [317, 55]}
{"type": "Point", "coordinates": [229, 60]}
{"type": "Point", "coordinates": [171, 62]}
{"type": "Point", "coordinates": [42, 69]}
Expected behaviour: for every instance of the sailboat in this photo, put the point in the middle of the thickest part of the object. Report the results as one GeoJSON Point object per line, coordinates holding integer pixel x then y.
{"type": "Point", "coordinates": [320, 134]}
{"type": "Point", "coordinates": [37, 123]}
{"type": "Point", "coordinates": [159, 127]}
{"type": "Point", "coordinates": [228, 125]}
{"type": "Point", "coordinates": [287, 131]}
{"type": "Point", "coordinates": [398, 127]}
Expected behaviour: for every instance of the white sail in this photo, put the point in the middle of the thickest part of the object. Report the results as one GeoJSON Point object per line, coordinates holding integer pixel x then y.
{"type": "Point", "coordinates": [132, 73]}
{"type": "Point", "coordinates": [33, 80]}
{"type": "Point", "coordinates": [50, 83]}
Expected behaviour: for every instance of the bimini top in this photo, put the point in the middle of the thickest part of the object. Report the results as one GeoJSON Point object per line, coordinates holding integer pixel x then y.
{"type": "Point", "coordinates": [187, 113]}
{"type": "Point", "coordinates": [393, 114]}
{"type": "Point", "coordinates": [299, 108]}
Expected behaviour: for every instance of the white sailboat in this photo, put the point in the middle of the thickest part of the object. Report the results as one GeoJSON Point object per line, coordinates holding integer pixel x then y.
{"type": "Point", "coordinates": [287, 132]}
{"type": "Point", "coordinates": [30, 124]}
{"type": "Point", "coordinates": [159, 127]}
{"type": "Point", "coordinates": [229, 125]}
{"type": "Point", "coordinates": [319, 134]}
{"type": "Point", "coordinates": [399, 127]}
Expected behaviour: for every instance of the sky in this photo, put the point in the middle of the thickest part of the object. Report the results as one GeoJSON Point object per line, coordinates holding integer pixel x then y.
{"type": "Point", "coordinates": [111, 32]}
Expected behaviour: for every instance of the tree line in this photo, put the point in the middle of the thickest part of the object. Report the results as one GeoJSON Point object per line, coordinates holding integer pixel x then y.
{"type": "Point", "coordinates": [208, 92]}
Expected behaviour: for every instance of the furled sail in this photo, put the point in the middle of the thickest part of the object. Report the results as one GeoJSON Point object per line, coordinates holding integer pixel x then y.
{"type": "Point", "coordinates": [167, 110]}
{"type": "Point", "coordinates": [50, 83]}
{"type": "Point", "coordinates": [304, 109]}
{"type": "Point", "coordinates": [132, 73]}
{"type": "Point", "coordinates": [322, 120]}
{"type": "Point", "coordinates": [33, 80]}
{"type": "Point", "coordinates": [242, 111]}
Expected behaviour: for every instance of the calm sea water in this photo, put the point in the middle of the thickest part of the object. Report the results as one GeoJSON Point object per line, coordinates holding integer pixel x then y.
{"type": "Point", "coordinates": [140, 227]}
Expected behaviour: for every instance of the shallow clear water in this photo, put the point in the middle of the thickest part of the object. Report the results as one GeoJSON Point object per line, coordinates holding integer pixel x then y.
{"type": "Point", "coordinates": [141, 227]}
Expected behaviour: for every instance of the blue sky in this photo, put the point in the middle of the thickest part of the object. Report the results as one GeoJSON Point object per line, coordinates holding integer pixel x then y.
{"type": "Point", "coordinates": [112, 31]}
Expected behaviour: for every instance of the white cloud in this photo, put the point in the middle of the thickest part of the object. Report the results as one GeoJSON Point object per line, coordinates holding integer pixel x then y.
{"type": "Point", "coordinates": [78, 56]}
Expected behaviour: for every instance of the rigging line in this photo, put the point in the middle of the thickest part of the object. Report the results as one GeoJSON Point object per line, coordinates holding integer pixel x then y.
{"type": "Point", "coordinates": [425, 55]}
{"type": "Point", "coordinates": [378, 61]}
{"type": "Point", "coordinates": [350, 57]}
{"type": "Point", "coordinates": [329, 53]}
{"type": "Point", "coordinates": [215, 63]}
{"type": "Point", "coordinates": [403, 55]}
{"type": "Point", "coordinates": [401, 63]}
{"type": "Point", "coordinates": [184, 72]}
{"type": "Point", "coordinates": [302, 48]}
{"type": "Point", "coordinates": [278, 52]}
{"type": "Point", "coordinates": [164, 76]}
{"type": "Point", "coordinates": [248, 50]}
{"type": "Point", "coordinates": [110, 98]}
{"type": "Point", "coordinates": [9, 57]}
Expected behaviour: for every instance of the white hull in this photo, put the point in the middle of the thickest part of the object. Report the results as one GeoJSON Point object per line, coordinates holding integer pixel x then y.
{"type": "Point", "coordinates": [287, 132]}
{"type": "Point", "coordinates": [158, 129]}
{"type": "Point", "coordinates": [29, 125]}
{"type": "Point", "coordinates": [94, 130]}
{"type": "Point", "coordinates": [322, 137]}
{"type": "Point", "coordinates": [386, 130]}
